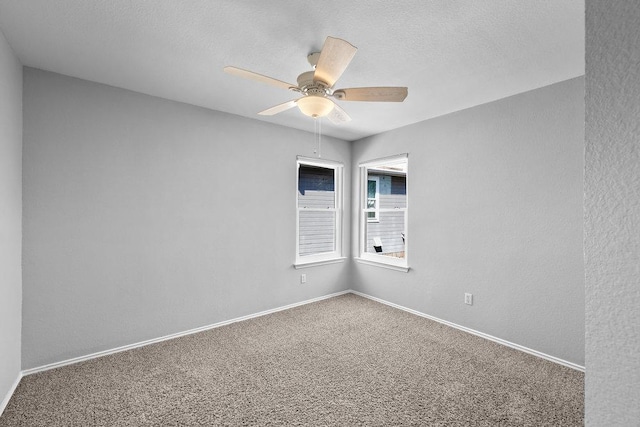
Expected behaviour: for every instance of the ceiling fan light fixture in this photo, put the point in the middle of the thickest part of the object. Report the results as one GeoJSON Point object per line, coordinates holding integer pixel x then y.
{"type": "Point", "coordinates": [317, 86]}
{"type": "Point", "coordinates": [315, 106]}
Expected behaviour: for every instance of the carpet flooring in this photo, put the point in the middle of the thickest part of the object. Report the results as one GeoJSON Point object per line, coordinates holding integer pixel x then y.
{"type": "Point", "coordinates": [343, 361]}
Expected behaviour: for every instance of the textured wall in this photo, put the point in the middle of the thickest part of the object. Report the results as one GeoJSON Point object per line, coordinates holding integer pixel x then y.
{"type": "Point", "coordinates": [145, 217]}
{"type": "Point", "coordinates": [495, 209]}
{"type": "Point", "coordinates": [10, 216]}
{"type": "Point", "coordinates": [612, 213]}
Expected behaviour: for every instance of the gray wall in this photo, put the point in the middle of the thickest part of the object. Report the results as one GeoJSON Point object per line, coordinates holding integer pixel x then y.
{"type": "Point", "coordinates": [612, 213]}
{"type": "Point", "coordinates": [10, 216]}
{"type": "Point", "coordinates": [495, 209]}
{"type": "Point", "coordinates": [141, 217]}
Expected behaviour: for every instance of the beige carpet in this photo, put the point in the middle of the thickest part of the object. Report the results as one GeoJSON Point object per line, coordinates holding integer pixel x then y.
{"type": "Point", "coordinates": [344, 361]}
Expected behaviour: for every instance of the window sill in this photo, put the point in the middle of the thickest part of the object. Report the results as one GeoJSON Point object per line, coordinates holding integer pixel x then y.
{"type": "Point", "coordinates": [404, 269]}
{"type": "Point", "coordinates": [300, 265]}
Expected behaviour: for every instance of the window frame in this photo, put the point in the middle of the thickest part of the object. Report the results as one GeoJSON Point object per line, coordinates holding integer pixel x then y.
{"type": "Point", "coordinates": [371, 258]}
{"type": "Point", "coordinates": [334, 256]}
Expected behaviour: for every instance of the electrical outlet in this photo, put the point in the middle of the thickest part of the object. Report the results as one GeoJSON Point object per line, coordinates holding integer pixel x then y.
{"type": "Point", "coordinates": [468, 299]}
{"type": "Point", "coordinates": [303, 278]}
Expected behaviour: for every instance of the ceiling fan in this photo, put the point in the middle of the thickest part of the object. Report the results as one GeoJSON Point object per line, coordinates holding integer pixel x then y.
{"type": "Point", "coordinates": [316, 86]}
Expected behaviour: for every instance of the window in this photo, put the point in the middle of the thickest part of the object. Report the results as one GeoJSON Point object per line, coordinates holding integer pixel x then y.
{"type": "Point", "coordinates": [384, 212]}
{"type": "Point", "coordinates": [319, 212]}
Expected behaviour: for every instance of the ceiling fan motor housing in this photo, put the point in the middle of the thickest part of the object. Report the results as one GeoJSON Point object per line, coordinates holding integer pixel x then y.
{"type": "Point", "coordinates": [309, 86]}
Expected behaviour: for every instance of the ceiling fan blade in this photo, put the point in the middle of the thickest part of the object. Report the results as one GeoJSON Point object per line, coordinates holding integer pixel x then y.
{"type": "Point", "coordinates": [336, 54]}
{"type": "Point", "coordinates": [278, 108]}
{"type": "Point", "coordinates": [338, 115]}
{"type": "Point", "coordinates": [258, 77]}
{"type": "Point", "coordinates": [372, 94]}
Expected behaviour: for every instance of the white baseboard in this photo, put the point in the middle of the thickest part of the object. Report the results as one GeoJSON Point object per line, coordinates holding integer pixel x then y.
{"type": "Point", "coordinates": [480, 334]}
{"type": "Point", "coordinates": [274, 310]}
{"type": "Point", "coordinates": [171, 336]}
{"type": "Point", "coordinates": [7, 397]}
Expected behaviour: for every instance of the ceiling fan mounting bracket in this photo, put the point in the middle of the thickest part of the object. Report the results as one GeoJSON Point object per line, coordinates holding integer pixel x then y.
{"type": "Point", "coordinates": [313, 59]}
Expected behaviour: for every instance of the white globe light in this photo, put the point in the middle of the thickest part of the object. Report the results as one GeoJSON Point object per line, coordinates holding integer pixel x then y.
{"type": "Point", "coordinates": [315, 106]}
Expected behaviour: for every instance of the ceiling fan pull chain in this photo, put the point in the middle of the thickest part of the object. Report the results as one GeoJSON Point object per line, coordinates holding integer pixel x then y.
{"type": "Point", "coordinates": [319, 119]}
{"type": "Point", "coordinates": [317, 136]}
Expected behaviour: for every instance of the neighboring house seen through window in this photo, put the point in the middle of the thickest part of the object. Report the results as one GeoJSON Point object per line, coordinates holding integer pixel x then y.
{"type": "Point", "coordinates": [373, 183]}
{"type": "Point", "coordinates": [319, 211]}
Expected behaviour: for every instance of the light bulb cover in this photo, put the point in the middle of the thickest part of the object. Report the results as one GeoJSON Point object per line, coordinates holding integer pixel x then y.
{"type": "Point", "coordinates": [315, 106]}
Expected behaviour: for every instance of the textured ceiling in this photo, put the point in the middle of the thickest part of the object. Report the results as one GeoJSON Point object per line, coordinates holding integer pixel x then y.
{"type": "Point", "coordinates": [451, 54]}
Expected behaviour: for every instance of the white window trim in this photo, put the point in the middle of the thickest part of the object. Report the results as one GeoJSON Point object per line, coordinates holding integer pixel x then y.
{"type": "Point", "coordinates": [325, 257]}
{"type": "Point", "coordinates": [398, 264]}
{"type": "Point", "coordinates": [375, 210]}
{"type": "Point", "coordinates": [317, 263]}
{"type": "Point", "coordinates": [388, 266]}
